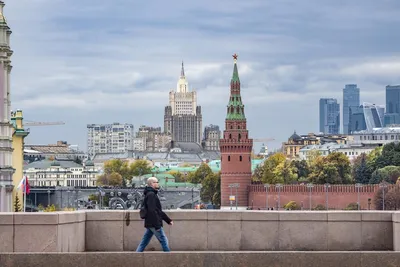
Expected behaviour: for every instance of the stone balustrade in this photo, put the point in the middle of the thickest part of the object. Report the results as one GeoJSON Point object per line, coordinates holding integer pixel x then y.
{"type": "Point", "coordinates": [198, 230]}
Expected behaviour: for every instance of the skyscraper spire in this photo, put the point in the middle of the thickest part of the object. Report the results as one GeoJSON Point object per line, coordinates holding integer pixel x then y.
{"type": "Point", "coordinates": [182, 70]}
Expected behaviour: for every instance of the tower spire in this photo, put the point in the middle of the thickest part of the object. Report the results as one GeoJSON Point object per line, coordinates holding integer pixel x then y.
{"type": "Point", "coordinates": [235, 75]}
{"type": "Point", "coordinates": [182, 70]}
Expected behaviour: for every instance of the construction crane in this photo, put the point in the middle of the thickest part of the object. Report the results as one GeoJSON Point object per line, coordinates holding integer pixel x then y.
{"type": "Point", "coordinates": [40, 123]}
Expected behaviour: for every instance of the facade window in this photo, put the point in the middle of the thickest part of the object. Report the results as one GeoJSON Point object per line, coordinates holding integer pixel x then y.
{"type": "Point", "coordinates": [240, 158]}
{"type": "Point", "coordinates": [230, 136]}
{"type": "Point", "coordinates": [240, 136]}
{"type": "Point", "coordinates": [229, 158]}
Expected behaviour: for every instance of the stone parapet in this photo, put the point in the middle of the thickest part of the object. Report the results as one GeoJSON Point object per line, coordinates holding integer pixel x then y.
{"type": "Point", "coordinates": [203, 230]}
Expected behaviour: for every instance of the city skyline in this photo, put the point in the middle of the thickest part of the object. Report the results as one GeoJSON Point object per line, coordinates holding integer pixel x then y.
{"type": "Point", "coordinates": [117, 61]}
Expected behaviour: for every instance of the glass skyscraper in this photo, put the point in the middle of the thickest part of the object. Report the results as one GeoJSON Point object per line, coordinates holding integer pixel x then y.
{"type": "Point", "coordinates": [392, 115]}
{"type": "Point", "coordinates": [329, 116]}
{"type": "Point", "coordinates": [351, 98]}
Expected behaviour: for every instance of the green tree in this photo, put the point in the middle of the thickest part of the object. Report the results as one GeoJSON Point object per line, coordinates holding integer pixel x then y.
{"type": "Point", "coordinates": [302, 169]}
{"type": "Point", "coordinates": [17, 204]}
{"type": "Point", "coordinates": [270, 164]}
{"type": "Point", "coordinates": [140, 167]}
{"type": "Point", "coordinates": [389, 174]}
{"type": "Point", "coordinates": [324, 171]}
{"type": "Point", "coordinates": [113, 179]}
{"type": "Point", "coordinates": [200, 174]}
{"type": "Point", "coordinates": [390, 156]}
{"type": "Point", "coordinates": [312, 156]}
{"type": "Point", "coordinates": [285, 172]}
{"type": "Point", "coordinates": [179, 177]}
{"type": "Point", "coordinates": [342, 164]}
{"type": "Point", "coordinates": [258, 173]}
{"type": "Point", "coordinates": [372, 159]}
{"type": "Point", "coordinates": [211, 188]}
{"type": "Point", "coordinates": [360, 170]}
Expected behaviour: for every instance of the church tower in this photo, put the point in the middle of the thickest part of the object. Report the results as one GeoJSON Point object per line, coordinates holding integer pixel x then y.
{"type": "Point", "coordinates": [236, 148]}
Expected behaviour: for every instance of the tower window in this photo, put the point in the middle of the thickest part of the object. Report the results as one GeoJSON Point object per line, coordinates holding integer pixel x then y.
{"type": "Point", "coordinates": [229, 158]}
{"type": "Point", "coordinates": [230, 136]}
{"type": "Point", "coordinates": [238, 126]}
{"type": "Point", "coordinates": [240, 136]}
{"type": "Point", "coordinates": [231, 127]}
{"type": "Point", "coordinates": [240, 158]}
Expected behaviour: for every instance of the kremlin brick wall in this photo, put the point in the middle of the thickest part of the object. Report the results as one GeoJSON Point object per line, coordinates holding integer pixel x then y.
{"type": "Point", "coordinates": [339, 196]}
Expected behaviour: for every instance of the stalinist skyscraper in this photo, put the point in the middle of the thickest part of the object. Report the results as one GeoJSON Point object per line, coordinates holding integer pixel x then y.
{"type": "Point", "coordinates": [6, 128]}
{"type": "Point", "coordinates": [182, 118]}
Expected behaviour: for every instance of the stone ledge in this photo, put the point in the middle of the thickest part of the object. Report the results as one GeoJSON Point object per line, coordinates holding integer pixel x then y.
{"type": "Point", "coordinates": [203, 258]}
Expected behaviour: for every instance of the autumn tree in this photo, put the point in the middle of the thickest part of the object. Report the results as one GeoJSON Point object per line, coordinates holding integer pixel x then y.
{"type": "Point", "coordinates": [112, 179]}
{"type": "Point", "coordinates": [258, 173]}
{"type": "Point", "coordinates": [324, 171]}
{"type": "Point", "coordinates": [285, 172]}
{"type": "Point", "coordinates": [179, 177]}
{"type": "Point", "coordinates": [211, 189]}
{"type": "Point", "coordinates": [17, 204]}
{"type": "Point", "coordinates": [270, 176]}
{"type": "Point", "coordinates": [140, 167]}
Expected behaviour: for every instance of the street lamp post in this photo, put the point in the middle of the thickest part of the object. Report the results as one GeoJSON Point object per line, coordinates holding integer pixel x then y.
{"type": "Point", "coordinates": [327, 185]}
{"type": "Point", "coordinates": [310, 186]}
{"type": "Point", "coordinates": [358, 186]}
{"type": "Point", "coordinates": [266, 192]}
{"type": "Point", "coordinates": [383, 186]}
{"type": "Point", "coordinates": [231, 186]}
{"type": "Point", "coordinates": [279, 186]}
{"type": "Point", "coordinates": [48, 197]}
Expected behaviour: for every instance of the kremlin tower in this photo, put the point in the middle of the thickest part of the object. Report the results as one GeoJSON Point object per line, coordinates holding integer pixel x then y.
{"type": "Point", "coordinates": [236, 148]}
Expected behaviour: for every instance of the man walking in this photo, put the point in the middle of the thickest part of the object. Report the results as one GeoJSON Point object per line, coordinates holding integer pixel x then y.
{"type": "Point", "coordinates": [153, 221]}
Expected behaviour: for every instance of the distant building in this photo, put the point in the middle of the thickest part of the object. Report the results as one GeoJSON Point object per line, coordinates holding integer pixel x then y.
{"type": "Point", "coordinates": [377, 136]}
{"type": "Point", "coordinates": [182, 117]}
{"type": "Point", "coordinates": [109, 138]}
{"type": "Point", "coordinates": [351, 98]}
{"type": "Point", "coordinates": [150, 133]}
{"type": "Point", "coordinates": [351, 151]}
{"type": "Point", "coordinates": [392, 115]}
{"type": "Point", "coordinates": [139, 144]}
{"type": "Point", "coordinates": [291, 148]}
{"type": "Point", "coordinates": [61, 173]}
{"type": "Point", "coordinates": [366, 117]}
{"type": "Point", "coordinates": [211, 137]}
{"type": "Point", "coordinates": [61, 149]}
{"type": "Point", "coordinates": [6, 128]}
{"type": "Point", "coordinates": [329, 116]}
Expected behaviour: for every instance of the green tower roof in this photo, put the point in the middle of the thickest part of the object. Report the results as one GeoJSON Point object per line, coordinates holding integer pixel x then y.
{"type": "Point", "coordinates": [235, 105]}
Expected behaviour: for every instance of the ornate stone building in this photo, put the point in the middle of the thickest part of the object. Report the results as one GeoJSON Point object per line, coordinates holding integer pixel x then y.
{"type": "Point", "coordinates": [236, 148]}
{"type": "Point", "coordinates": [211, 138]}
{"type": "Point", "coordinates": [182, 117]}
{"type": "Point", "coordinates": [6, 128]}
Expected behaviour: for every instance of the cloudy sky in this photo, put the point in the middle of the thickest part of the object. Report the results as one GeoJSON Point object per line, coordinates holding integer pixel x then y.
{"type": "Point", "coordinates": [108, 61]}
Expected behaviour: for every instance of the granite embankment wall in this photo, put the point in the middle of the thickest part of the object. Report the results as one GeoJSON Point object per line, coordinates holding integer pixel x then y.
{"type": "Point", "coordinates": [203, 230]}
{"type": "Point", "coordinates": [339, 196]}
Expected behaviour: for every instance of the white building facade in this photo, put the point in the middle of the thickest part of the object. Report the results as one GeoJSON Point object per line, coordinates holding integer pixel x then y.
{"type": "Point", "coordinates": [58, 175]}
{"type": "Point", "coordinates": [6, 169]}
{"type": "Point", "coordinates": [351, 151]}
{"type": "Point", "coordinates": [109, 138]}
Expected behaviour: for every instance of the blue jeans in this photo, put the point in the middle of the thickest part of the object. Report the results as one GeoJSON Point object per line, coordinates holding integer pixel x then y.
{"type": "Point", "coordinates": [160, 235]}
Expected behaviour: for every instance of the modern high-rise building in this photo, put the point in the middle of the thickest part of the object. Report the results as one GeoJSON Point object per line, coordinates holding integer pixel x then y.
{"type": "Point", "coordinates": [236, 148]}
{"type": "Point", "coordinates": [351, 98]}
{"type": "Point", "coordinates": [392, 115]}
{"type": "Point", "coordinates": [109, 138]}
{"type": "Point", "coordinates": [182, 117]}
{"type": "Point", "coordinates": [366, 117]}
{"type": "Point", "coordinates": [329, 116]}
{"type": "Point", "coordinates": [6, 128]}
